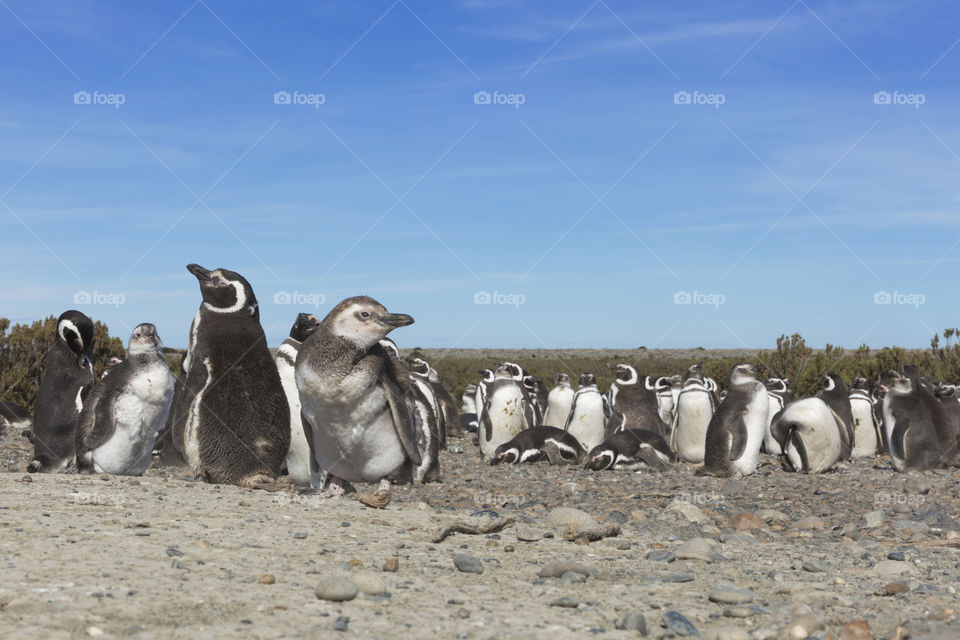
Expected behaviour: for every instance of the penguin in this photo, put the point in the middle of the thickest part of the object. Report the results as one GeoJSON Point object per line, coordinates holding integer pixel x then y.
{"type": "Point", "coordinates": [911, 433]}
{"type": "Point", "coordinates": [122, 415]}
{"type": "Point", "coordinates": [866, 434]}
{"type": "Point", "coordinates": [448, 405]}
{"type": "Point", "coordinates": [879, 393]}
{"type": "Point", "coordinates": [667, 398]}
{"type": "Point", "coordinates": [778, 396]}
{"type": "Point", "coordinates": [14, 416]}
{"type": "Point", "coordinates": [808, 433]}
{"type": "Point", "coordinates": [559, 401]}
{"type": "Point", "coordinates": [834, 393]}
{"type": "Point", "coordinates": [925, 391]}
{"type": "Point", "coordinates": [695, 407]}
{"type": "Point", "coordinates": [369, 421]}
{"type": "Point", "coordinates": [540, 443]}
{"type": "Point", "coordinates": [236, 419]}
{"type": "Point", "coordinates": [503, 414]}
{"type": "Point", "coordinates": [587, 420]}
{"type": "Point", "coordinates": [636, 400]}
{"type": "Point", "coordinates": [67, 379]}
{"type": "Point", "coordinates": [736, 430]}
{"type": "Point", "coordinates": [515, 370]}
{"type": "Point", "coordinates": [535, 407]}
{"type": "Point", "coordinates": [468, 409]}
{"type": "Point", "coordinates": [632, 450]}
{"type": "Point", "coordinates": [486, 380]}
{"type": "Point", "coordinates": [298, 455]}
{"type": "Point", "coordinates": [946, 393]}
{"type": "Point", "coordinates": [420, 376]}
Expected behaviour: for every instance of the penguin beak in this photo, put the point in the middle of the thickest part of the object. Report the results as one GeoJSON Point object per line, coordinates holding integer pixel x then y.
{"type": "Point", "coordinates": [395, 320]}
{"type": "Point", "coordinates": [203, 275]}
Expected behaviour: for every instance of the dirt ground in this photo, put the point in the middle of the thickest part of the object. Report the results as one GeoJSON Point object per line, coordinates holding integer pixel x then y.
{"type": "Point", "coordinates": [164, 556]}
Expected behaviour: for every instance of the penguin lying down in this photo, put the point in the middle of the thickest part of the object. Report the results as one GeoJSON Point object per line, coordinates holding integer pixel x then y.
{"type": "Point", "coordinates": [632, 450]}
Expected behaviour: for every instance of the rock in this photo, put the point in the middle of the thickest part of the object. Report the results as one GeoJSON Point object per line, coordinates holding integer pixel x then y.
{"type": "Point", "coordinates": [369, 583]}
{"type": "Point", "coordinates": [565, 516]}
{"type": "Point", "coordinates": [694, 549]}
{"type": "Point", "coordinates": [633, 621]}
{"type": "Point", "coordinates": [893, 588]}
{"type": "Point", "coordinates": [726, 593]}
{"type": "Point", "coordinates": [341, 623]}
{"type": "Point", "coordinates": [772, 515]}
{"type": "Point", "coordinates": [814, 566]}
{"type": "Point", "coordinates": [267, 579]}
{"type": "Point", "coordinates": [467, 563]}
{"type": "Point", "coordinates": [392, 565]}
{"type": "Point", "coordinates": [616, 517]}
{"type": "Point", "coordinates": [528, 534]}
{"type": "Point", "coordinates": [300, 535]}
{"type": "Point", "coordinates": [558, 569]}
{"type": "Point", "coordinates": [873, 519]}
{"type": "Point", "coordinates": [890, 568]}
{"type": "Point", "coordinates": [678, 577]}
{"type": "Point", "coordinates": [940, 520]}
{"type": "Point", "coordinates": [801, 627]}
{"type": "Point", "coordinates": [94, 632]}
{"type": "Point", "coordinates": [745, 521]}
{"type": "Point", "coordinates": [856, 630]}
{"type": "Point", "coordinates": [910, 526]}
{"type": "Point", "coordinates": [173, 552]}
{"type": "Point", "coordinates": [565, 602]}
{"type": "Point", "coordinates": [738, 612]}
{"type": "Point", "coordinates": [570, 577]}
{"type": "Point", "coordinates": [337, 589]}
{"type": "Point", "coordinates": [678, 624]}
{"type": "Point", "coordinates": [811, 523]}
{"type": "Point", "coordinates": [896, 555]}
{"type": "Point", "coordinates": [661, 555]}
{"type": "Point", "coordinates": [691, 511]}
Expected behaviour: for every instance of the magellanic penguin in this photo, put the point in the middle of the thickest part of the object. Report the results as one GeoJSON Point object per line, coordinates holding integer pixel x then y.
{"type": "Point", "coordinates": [237, 423]}
{"type": "Point", "coordinates": [632, 450]}
{"type": "Point", "coordinates": [540, 443]}
{"type": "Point", "coordinates": [468, 409]}
{"type": "Point", "coordinates": [123, 414]}
{"type": "Point", "coordinates": [483, 386]}
{"type": "Point", "coordinates": [14, 416]}
{"type": "Point", "coordinates": [778, 396]}
{"type": "Point", "coordinates": [808, 433]}
{"type": "Point", "coordinates": [558, 402]}
{"type": "Point", "coordinates": [695, 407]}
{"type": "Point", "coordinates": [834, 393]}
{"type": "Point", "coordinates": [911, 433]}
{"type": "Point", "coordinates": [66, 381]}
{"type": "Point", "coordinates": [587, 419]}
{"type": "Point", "coordinates": [358, 399]}
{"type": "Point", "coordinates": [925, 391]}
{"type": "Point", "coordinates": [535, 408]}
{"type": "Point", "coordinates": [298, 455]}
{"type": "Point", "coordinates": [736, 430]}
{"type": "Point", "coordinates": [947, 395]}
{"type": "Point", "coordinates": [668, 390]}
{"type": "Point", "coordinates": [866, 432]}
{"type": "Point", "coordinates": [448, 405]}
{"type": "Point", "coordinates": [420, 376]}
{"type": "Point", "coordinates": [503, 414]}
{"type": "Point", "coordinates": [636, 399]}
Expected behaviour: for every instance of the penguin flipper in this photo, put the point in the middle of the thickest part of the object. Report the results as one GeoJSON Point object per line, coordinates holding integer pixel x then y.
{"type": "Point", "coordinates": [650, 457]}
{"type": "Point", "coordinates": [486, 425]}
{"type": "Point", "coordinates": [95, 424]}
{"type": "Point", "coordinates": [738, 439]}
{"type": "Point", "coordinates": [402, 400]}
{"type": "Point", "coordinates": [899, 434]}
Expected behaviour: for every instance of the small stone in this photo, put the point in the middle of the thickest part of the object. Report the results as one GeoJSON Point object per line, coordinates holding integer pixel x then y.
{"type": "Point", "coordinates": [814, 566]}
{"type": "Point", "coordinates": [565, 516]}
{"type": "Point", "coordinates": [355, 563]}
{"type": "Point", "coordinates": [29, 478]}
{"type": "Point", "coordinates": [528, 534]}
{"type": "Point", "coordinates": [392, 565]}
{"type": "Point", "coordinates": [617, 517]}
{"type": "Point", "coordinates": [810, 523]}
{"type": "Point", "coordinates": [337, 589]}
{"type": "Point", "coordinates": [300, 535]}
{"type": "Point", "coordinates": [633, 621]}
{"type": "Point", "coordinates": [745, 521]}
{"type": "Point", "coordinates": [893, 588]}
{"type": "Point", "coordinates": [873, 519]}
{"type": "Point", "coordinates": [463, 613]}
{"type": "Point", "coordinates": [455, 448]}
{"type": "Point", "coordinates": [726, 593]}
{"type": "Point", "coordinates": [369, 583]}
{"type": "Point", "coordinates": [174, 552]}
{"type": "Point", "coordinates": [267, 579]}
{"type": "Point", "coordinates": [678, 624]}
{"type": "Point", "coordinates": [94, 632]}
{"type": "Point", "coordinates": [738, 612]}
{"type": "Point", "coordinates": [910, 526]}
{"type": "Point", "coordinates": [896, 555]}
{"type": "Point", "coordinates": [570, 577]}
{"type": "Point", "coordinates": [890, 568]}
{"type": "Point", "coordinates": [803, 626]}
{"type": "Point", "coordinates": [467, 563]}
{"type": "Point", "coordinates": [565, 602]}
{"type": "Point", "coordinates": [694, 549]}
{"type": "Point", "coordinates": [856, 630]}
{"type": "Point", "coordinates": [678, 577]}
{"type": "Point", "coordinates": [557, 569]}
{"type": "Point", "coordinates": [341, 623]}
{"type": "Point", "coordinates": [772, 515]}
{"type": "Point", "coordinates": [691, 511]}
{"type": "Point", "coordinates": [661, 555]}
{"type": "Point", "coordinates": [509, 548]}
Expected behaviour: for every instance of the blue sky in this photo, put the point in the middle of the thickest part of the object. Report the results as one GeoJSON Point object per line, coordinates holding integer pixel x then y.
{"type": "Point", "coordinates": [590, 209]}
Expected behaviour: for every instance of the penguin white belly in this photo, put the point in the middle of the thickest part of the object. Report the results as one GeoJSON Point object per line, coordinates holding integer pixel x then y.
{"type": "Point", "coordinates": [864, 435]}
{"type": "Point", "coordinates": [586, 423]}
{"type": "Point", "coordinates": [191, 445]}
{"type": "Point", "coordinates": [694, 410]}
{"type": "Point", "coordinates": [770, 444]}
{"type": "Point", "coordinates": [666, 407]}
{"type": "Point", "coordinates": [889, 422]}
{"type": "Point", "coordinates": [815, 426]}
{"type": "Point", "coordinates": [505, 414]}
{"type": "Point", "coordinates": [298, 455]}
{"type": "Point", "coordinates": [558, 408]}
{"type": "Point", "coordinates": [755, 421]}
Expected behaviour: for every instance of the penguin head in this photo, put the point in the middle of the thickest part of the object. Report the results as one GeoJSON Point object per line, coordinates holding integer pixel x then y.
{"type": "Point", "coordinates": [506, 453]}
{"type": "Point", "coordinates": [587, 380]}
{"type": "Point", "coordinates": [390, 346]}
{"type": "Point", "coordinates": [945, 390]}
{"type": "Point", "coordinates": [530, 383]}
{"type": "Point", "coordinates": [694, 372]}
{"type": "Point", "coordinates": [892, 382]}
{"type": "Point", "coordinates": [76, 330]}
{"type": "Point", "coordinates": [487, 375]}
{"type": "Point", "coordinates": [563, 378]}
{"type": "Point", "coordinates": [600, 458]}
{"type": "Point", "coordinates": [304, 326]}
{"type": "Point", "coordinates": [624, 373]}
{"type": "Point", "coordinates": [776, 384]}
{"type": "Point", "coordinates": [363, 321]}
{"type": "Point", "coordinates": [745, 372]}
{"type": "Point", "coordinates": [418, 366]}
{"type": "Point", "coordinates": [515, 370]}
{"type": "Point", "coordinates": [503, 372]}
{"type": "Point", "coordinates": [144, 339]}
{"type": "Point", "coordinates": [226, 291]}
{"type": "Point", "coordinates": [832, 382]}
{"type": "Point", "coordinates": [859, 383]}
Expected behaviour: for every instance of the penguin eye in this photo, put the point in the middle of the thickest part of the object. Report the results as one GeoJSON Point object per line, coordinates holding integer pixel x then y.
{"type": "Point", "coordinates": [364, 314]}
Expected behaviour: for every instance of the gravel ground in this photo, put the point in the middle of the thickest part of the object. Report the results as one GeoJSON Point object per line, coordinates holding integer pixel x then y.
{"type": "Point", "coordinates": [857, 553]}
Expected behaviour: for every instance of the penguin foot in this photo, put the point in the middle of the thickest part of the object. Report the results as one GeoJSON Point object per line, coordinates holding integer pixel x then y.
{"type": "Point", "coordinates": [334, 488]}
{"type": "Point", "coordinates": [379, 498]}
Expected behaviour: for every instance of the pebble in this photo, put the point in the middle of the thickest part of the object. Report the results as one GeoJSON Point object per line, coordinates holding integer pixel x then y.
{"type": "Point", "coordinates": [814, 566]}
{"type": "Point", "coordinates": [337, 589]}
{"type": "Point", "coordinates": [618, 517]}
{"type": "Point", "coordinates": [558, 569]}
{"type": "Point", "coordinates": [267, 579]}
{"type": "Point", "coordinates": [802, 627]}
{"type": "Point", "coordinates": [467, 563]}
{"type": "Point", "coordinates": [455, 448]}
{"type": "Point", "coordinates": [694, 549]}
{"type": "Point", "coordinates": [691, 511]}
{"type": "Point", "coordinates": [570, 577]}
{"type": "Point", "coordinates": [94, 632]}
{"type": "Point", "coordinates": [678, 624]}
{"type": "Point", "coordinates": [526, 533]}
{"type": "Point", "coordinates": [564, 516]}
{"type": "Point", "coordinates": [565, 602]}
{"type": "Point", "coordinates": [633, 621]}
{"type": "Point", "coordinates": [913, 526]}
{"type": "Point", "coordinates": [873, 519]}
{"type": "Point", "coordinates": [893, 588]}
{"type": "Point", "coordinates": [369, 583]}
{"type": "Point", "coordinates": [745, 521]}
{"type": "Point", "coordinates": [661, 555]}
{"type": "Point", "coordinates": [890, 568]}
{"type": "Point", "coordinates": [772, 515]}
{"type": "Point", "coordinates": [391, 565]}
{"type": "Point", "coordinates": [726, 593]}
{"type": "Point", "coordinates": [174, 552]}
{"type": "Point", "coordinates": [738, 612]}
{"type": "Point", "coordinates": [896, 555]}
{"type": "Point", "coordinates": [678, 577]}
{"type": "Point", "coordinates": [300, 535]}
{"type": "Point", "coordinates": [856, 630]}
{"type": "Point", "coordinates": [341, 623]}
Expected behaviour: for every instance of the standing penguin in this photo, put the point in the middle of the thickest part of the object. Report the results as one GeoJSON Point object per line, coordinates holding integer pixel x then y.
{"type": "Point", "coordinates": [536, 396]}
{"type": "Point", "coordinates": [925, 391]}
{"type": "Point", "coordinates": [236, 428]}
{"type": "Point", "coordinates": [668, 390]}
{"type": "Point", "coordinates": [586, 421]}
{"type": "Point", "coordinates": [636, 400]}
{"type": "Point", "coordinates": [483, 386]}
{"type": "Point", "coordinates": [420, 376]}
{"type": "Point", "coordinates": [298, 455]}
{"type": "Point", "coordinates": [66, 381]}
{"type": "Point", "coordinates": [695, 408]}
{"type": "Point", "coordinates": [808, 433]}
{"type": "Point", "coordinates": [123, 414]}
{"type": "Point", "coordinates": [866, 435]}
{"type": "Point", "coordinates": [365, 413]}
{"type": "Point", "coordinates": [468, 409]}
{"type": "Point", "coordinates": [503, 412]}
{"type": "Point", "coordinates": [778, 396]}
{"type": "Point", "coordinates": [834, 393]}
{"type": "Point", "coordinates": [911, 433]}
{"type": "Point", "coordinates": [946, 393]}
{"type": "Point", "coordinates": [736, 430]}
{"type": "Point", "coordinates": [558, 402]}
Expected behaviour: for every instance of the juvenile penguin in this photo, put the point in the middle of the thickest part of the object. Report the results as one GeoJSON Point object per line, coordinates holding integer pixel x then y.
{"type": "Point", "coordinates": [420, 376]}
{"type": "Point", "coordinates": [540, 443]}
{"type": "Point", "coordinates": [778, 396]}
{"type": "Point", "coordinates": [298, 455]}
{"type": "Point", "coordinates": [236, 427]}
{"type": "Point", "coordinates": [558, 402]}
{"type": "Point", "coordinates": [123, 414]}
{"type": "Point", "coordinates": [631, 450]}
{"type": "Point", "coordinates": [925, 391]}
{"type": "Point", "coordinates": [468, 409]}
{"type": "Point", "coordinates": [587, 420]}
{"type": "Point", "coordinates": [667, 397]}
{"type": "Point", "coordinates": [947, 395]}
{"type": "Point", "coordinates": [736, 430]}
{"type": "Point", "coordinates": [866, 434]}
{"type": "Point", "coordinates": [365, 413]}
{"type": "Point", "coordinates": [503, 416]}
{"type": "Point", "coordinates": [695, 407]}
{"type": "Point", "coordinates": [808, 433]}
{"type": "Point", "coordinates": [66, 381]}
{"type": "Point", "coordinates": [637, 399]}
{"type": "Point", "coordinates": [911, 433]}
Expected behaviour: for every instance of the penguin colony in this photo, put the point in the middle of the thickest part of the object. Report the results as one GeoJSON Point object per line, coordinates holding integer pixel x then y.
{"type": "Point", "coordinates": [339, 405]}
